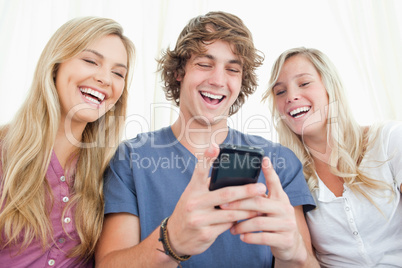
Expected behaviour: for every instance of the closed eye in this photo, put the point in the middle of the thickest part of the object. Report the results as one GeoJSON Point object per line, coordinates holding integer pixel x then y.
{"type": "Point", "coordinates": [279, 92]}
{"type": "Point", "coordinates": [233, 70]}
{"type": "Point", "coordinates": [89, 61]}
{"type": "Point", "coordinates": [203, 65]}
{"type": "Point", "coordinates": [305, 84]}
{"type": "Point", "coordinates": [119, 74]}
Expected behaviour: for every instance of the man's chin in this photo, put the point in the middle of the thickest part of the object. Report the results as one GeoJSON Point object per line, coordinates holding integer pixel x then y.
{"type": "Point", "coordinates": [210, 121]}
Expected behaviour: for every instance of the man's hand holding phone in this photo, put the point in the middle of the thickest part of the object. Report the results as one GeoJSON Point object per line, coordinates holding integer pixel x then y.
{"type": "Point", "coordinates": [276, 224]}
{"type": "Point", "coordinates": [195, 222]}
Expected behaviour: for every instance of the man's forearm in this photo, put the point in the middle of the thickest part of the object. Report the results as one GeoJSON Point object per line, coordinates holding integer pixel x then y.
{"type": "Point", "coordinates": [148, 253]}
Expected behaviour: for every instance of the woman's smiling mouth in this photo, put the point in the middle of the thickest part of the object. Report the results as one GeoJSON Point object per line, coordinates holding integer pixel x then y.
{"type": "Point", "coordinates": [93, 96]}
{"type": "Point", "coordinates": [299, 112]}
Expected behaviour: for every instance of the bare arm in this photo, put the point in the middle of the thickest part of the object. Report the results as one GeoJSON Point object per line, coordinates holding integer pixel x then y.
{"type": "Point", "coordinates": [119, 245]}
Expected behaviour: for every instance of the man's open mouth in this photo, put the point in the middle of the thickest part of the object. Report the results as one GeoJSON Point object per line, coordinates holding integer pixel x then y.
{"type": "Point", "coordinates": [211, 98]}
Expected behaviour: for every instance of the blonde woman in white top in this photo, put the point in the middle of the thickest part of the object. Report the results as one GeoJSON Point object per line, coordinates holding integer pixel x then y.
{"type": "Point", "coordinates": [354, 172]}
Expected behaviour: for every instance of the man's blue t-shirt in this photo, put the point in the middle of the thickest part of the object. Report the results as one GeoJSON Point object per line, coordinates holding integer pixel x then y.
{"type": "Point", "coordinates": [149, 173]}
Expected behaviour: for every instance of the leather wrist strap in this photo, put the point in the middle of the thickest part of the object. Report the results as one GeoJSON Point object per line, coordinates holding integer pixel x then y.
{"type": "Point", "coordinates": [163, 237]}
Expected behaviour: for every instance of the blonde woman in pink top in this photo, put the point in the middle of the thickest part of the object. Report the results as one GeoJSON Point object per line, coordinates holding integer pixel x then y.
{"type": "Point", "coordinates": [55, 150]}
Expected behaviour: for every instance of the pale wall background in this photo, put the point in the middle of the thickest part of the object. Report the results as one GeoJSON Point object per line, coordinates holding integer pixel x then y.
{"type": "Point", "coordinates": [362, 37]}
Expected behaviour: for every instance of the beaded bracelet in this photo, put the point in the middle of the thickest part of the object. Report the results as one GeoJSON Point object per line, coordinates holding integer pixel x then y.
{"type": "Point", "coordinates": [163, 237]}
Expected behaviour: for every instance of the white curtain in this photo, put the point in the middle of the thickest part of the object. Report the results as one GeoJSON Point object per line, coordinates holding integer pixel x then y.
{"type": "Point", "coordinates": [374, 36]}
{"type": "Point", "coordinates": [362, 37]}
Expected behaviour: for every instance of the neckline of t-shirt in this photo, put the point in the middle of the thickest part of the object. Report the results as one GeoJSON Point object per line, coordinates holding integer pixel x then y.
{"type": "Point", "coordinates": [172, 139]}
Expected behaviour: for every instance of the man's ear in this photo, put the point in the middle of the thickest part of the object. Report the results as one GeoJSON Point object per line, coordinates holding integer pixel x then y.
{"type": "Point", "coordinates": [178, 76]}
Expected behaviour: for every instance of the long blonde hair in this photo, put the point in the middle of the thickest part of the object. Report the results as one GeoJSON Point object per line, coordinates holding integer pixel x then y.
{"type": "Point", "coordinates": [348, 140]}
{"type": "Point", "coordinates": [27, 144]}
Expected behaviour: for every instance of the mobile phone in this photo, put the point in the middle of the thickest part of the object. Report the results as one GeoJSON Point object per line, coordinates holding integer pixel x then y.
{"type": "Point", "coordinates": [236, 165]}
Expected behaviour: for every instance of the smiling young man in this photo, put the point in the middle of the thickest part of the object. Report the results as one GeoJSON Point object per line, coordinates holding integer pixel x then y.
{"type": "Point", "coordinates": [165, 216]}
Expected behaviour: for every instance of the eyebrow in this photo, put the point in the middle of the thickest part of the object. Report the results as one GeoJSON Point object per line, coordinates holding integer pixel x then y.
{"type": "Point", "coordinates": [102, 57]}
{"type": "Point", "coordinates": [211, 57]}
{"type": "Point", "coordinates": [296, 76]}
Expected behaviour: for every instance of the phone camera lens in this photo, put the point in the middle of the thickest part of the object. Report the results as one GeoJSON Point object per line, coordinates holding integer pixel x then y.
{"type": "Point", "coordinates": [225, 158]}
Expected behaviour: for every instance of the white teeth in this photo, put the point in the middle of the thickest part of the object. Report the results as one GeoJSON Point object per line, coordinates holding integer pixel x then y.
{"type": "Point", "coordinates": [297, 116]}
{"type": "Point", "coordinates": [299, 110]}
{"type": "Point", "coordinates": [92, 99]}
{"type": "Point", "coordinates": [94, 93]}
{"type": "Point", "coordinates": [212, 96]}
